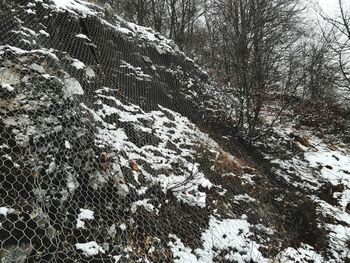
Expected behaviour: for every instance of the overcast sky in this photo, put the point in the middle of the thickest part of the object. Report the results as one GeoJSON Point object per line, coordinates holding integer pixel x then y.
{"type": "Point", "coordinates": [329, 5]}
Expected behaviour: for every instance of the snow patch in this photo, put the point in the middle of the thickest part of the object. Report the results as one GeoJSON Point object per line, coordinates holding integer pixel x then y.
{"type": "Point", "coordinates": [90, 248]}
{"type": "Point", "coordinates": [229, 239]}
{"type": "Point", "coordinates": [81, 7]}
{"type": "Point", "coordinates": [72, 87]}
{"type": "Point", "coordinates": [9, 76]}
{"type": "Point", "coordinates": [67, 144]}
{"type": "Point", "coordinates": [4, 211]}
{"type": "Point", "coordinates": [30, 11]}
{"type": "Point", "coordinates": [43, 32]}
{"type": "Point", "coordinates": [82, 36]}
{"type": "Point", "coordinates": [303, 254]}
{"type": "Point", "coordinates": [84, 214]}
{"type": "Point", "coordinates": [7, 87]}
{"type": "Point", "coordinates": [122, 227]}
{"type": "Point", "coordinates": [144, 203]}
{"type": "Point", "coordinates": [78, 64]}
{"type": "Point", "coordinates": [90, 73]}
{"type": "Point", "coordinates": [181, 253]}
{"type": "Point", "coordinates": [333, 164]}
{"type": "Point", "coordinates": [48, 52]}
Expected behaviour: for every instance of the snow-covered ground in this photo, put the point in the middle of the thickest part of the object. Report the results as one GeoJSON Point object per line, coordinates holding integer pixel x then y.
{"type": "Point", "coordinates": [320, 167]}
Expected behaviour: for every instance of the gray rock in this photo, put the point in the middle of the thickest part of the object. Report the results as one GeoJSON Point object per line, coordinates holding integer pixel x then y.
{"type": "Point", "coordinates": [14, 254]}
{"type": "Point", "coordinates": [73, 87]}
{"type": "Point", "coordinates": [37, 68]}
{"type": "Point", "coordinates": [108, 10]}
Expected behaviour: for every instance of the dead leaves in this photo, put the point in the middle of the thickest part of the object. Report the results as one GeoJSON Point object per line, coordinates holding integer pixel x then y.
{"type": "Point", "coordinates": [105, 161]}
{"type": "Point", "coordinates": [303, 140]}
{"type": "Point", "coordinates": [134, 166]}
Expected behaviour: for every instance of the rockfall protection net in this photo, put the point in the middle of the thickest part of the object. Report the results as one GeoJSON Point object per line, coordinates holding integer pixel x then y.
{"type": "Point", "coordinates": [95, 163]}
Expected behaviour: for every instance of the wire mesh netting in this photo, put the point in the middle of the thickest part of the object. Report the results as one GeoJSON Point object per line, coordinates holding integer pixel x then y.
{"type": "Point", "coordinates": [98, 162]}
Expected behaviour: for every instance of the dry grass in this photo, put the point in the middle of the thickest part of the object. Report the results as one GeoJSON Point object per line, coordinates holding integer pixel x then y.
{"type": "Point", "coordinates": [226, 163]}
{"type": "Point", "coordinates": [303, 140]}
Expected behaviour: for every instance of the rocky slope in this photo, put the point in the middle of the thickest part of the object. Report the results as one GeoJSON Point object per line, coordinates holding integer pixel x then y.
{"type": "Point", "coordinates": [115, 148]}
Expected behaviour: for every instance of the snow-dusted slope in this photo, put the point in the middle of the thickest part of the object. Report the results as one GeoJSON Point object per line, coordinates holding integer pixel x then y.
{"type": "Point", "coordinates": [102, 158]}
{"type": "Point", "coordinates": [319, 169]}
{"type": "Point", "coordinates": [93, 167]}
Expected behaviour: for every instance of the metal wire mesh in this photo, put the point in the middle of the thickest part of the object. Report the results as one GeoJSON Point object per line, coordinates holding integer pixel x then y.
{"type": "Point", "coordinates": [97, 166]}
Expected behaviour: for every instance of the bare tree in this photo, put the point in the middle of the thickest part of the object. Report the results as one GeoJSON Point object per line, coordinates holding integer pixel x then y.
{"type": "Point", "coordinates": [158, 14]}
{"type": "Point", "coordinates": [251, 47]}
{"type": "Point", "coordinates": [338, 37]}
{"type": "Point", "coordinates": [182, 14]}
{"type": "Point", "coordinates": [174, 18]}
{"type": "Point", "coordinates": [256, 35]}
{"type": "Point", "coordinates": [137, 11]}
{"type": "Point", "coordinates": [321, 71]}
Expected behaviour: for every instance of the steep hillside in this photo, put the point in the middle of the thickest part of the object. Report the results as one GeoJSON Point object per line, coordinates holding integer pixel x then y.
{"type": "Point", "coordinates": [115, 147]}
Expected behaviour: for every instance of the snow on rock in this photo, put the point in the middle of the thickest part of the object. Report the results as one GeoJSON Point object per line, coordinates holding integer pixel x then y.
{"type": "Point", "coordinates": [148, 35]}
{"type": "Point", "coordinates": [9, 76]}
{"type": "Point", "coordinates": [185, 188]}
{"type": "Point", "coordinates": [78, 64]}
{"type": "Point", "coordinates": [82, 36]}
{"type": "Point", "coordinates": [43, 32]}
{"type": "Point", "coordinates": [84, 214]}
{"type": "Point", "coordinates": [230, 233]}
{"type": "Point", "coordinates": [18, 50]}
{"type": "Point", "coordinates": [140, 75]}
{"type": "Point", "coordinates": [72, 87]}
{"type": "Point", "coordinates": [67, 144]}
{"type": "Point", "coordinates": [90, 73]}
{"type": "Point", "coordinates": [123, 190]}
{"type": "Point", "coordinates": [339, 235]}
{"type": "Point", "coordinates": [72, 182]}
{"type": "Point", "coordinates": [52, 167]}
{"type": "Point", "coordinates": [30, 11]}
{"type": "Point", "coordinates": [74, 6]}
{"type": "Point", "coordinates": [117, 137]}
{"type": "Point", "coordinates": [303, 254]}
{"type": "Point", "coordinates": [4, 211]}
{"type": "Point", "coordinates": [37, 68]}
{"type": "Point", "coordinates": [181, 252]}
{"type": "Point", "coordinates": [227, 240]}
{"type": "Point", "coordinates": [90, 248]}
{"type": "Point", "coordinates": [245, 198]}
{"type": "Point", "coordinates": [6, 88]}
{"type": "Point", "coordinates": [143, 203]}
{"type": "Point", "coordinates": [176, 130]}
{"type": "Point", "coordinates": [123, 227]}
